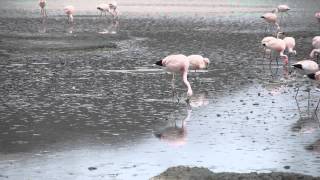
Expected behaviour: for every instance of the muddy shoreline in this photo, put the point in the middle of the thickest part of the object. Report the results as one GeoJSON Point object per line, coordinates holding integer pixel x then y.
{"type": "Point", "coordinates": [200, 173]}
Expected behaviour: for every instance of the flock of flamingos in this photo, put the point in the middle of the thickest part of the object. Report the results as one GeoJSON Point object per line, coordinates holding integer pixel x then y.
{"type": "Point", "coordinates": [181, 64]}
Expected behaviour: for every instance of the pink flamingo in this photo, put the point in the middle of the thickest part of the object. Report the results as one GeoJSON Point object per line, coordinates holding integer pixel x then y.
{"type": "Point", "coordinates": [306, 66]}
{"type": "Point", "coordinates": [69, 10]}
{"type": "Point", "coordinates": [283, 8]}
{"type": "Point", "coordinates": [309, 68]}
{"type": "Point", "coordinates": [317, 16]}
{"type": "Point", "coordinates": [198, 62]}
{"type": "Point", "coordinates": [177, 64]}
{"type": "Point", "coordinates": [271, 18]}
{"type": "Point", "coordinates": [42, 4]}
{"type": "Point", "coordinates": [279, 46]}
{"type": "Point", "coordinates": [316, 46]}
{"type": "Point", "coordinates": [266, 49]}
{"type": "Point", "coordinates": [103, 8]}
{"type": "Point", "coordinates": [290, 45]}
{"type": "Point", "coordinates": [113, 5]}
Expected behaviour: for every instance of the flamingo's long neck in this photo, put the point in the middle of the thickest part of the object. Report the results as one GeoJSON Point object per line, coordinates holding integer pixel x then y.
{"type": "Point", "coordinates": [186, 82]}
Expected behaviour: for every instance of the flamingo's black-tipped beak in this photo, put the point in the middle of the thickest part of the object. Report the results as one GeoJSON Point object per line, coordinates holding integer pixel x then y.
{"type": "Point", "coordinates": [264, 44]}
{"type": "Point", "coordinates": [262, 16]}
{"type": "Point", "coordinates": [312, 76]}
{"type": "Point", "coordinates": [298, 66]}
{"type": "Point", "coordinates": [99, 8]}
{"type": "Point", "coordinates": [159, 63]}
{"type": "Point", "coordinates": [157, 135]}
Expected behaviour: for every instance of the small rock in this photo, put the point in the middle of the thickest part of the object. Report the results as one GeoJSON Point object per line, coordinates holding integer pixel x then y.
{"type": "Point", "coordinates": [286, 167]}
{"type": "Point", "coordinates": [92, 168]}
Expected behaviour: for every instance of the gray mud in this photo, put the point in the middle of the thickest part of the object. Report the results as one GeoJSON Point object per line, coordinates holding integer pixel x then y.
{"type": "Point", "coordinates": [187, 173]}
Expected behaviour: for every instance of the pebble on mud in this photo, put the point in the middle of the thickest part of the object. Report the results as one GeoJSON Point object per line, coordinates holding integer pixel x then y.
{"type": "Point", "coordinates": [92, 168]}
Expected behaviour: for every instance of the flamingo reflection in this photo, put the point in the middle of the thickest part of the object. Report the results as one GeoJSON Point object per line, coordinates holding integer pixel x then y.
{"type": "Point", "coordinates": [174, 134]}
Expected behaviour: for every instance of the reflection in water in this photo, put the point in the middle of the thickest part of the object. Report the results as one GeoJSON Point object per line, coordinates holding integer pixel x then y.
{"type": "Point", "coordinates": [43, 27]}
{"type": "Point", "coordinates": [70, 28]}
{"type": "Point", "coordinates": [306, 125]}
{"type": "Point", "coordinates": [315, 147]}
{"type": "Point", "coordinates": [175, 134]}
{"type": "Point", "coordinates": [199, 100]}
{"type": "Point", "coordinates": [112, 28]}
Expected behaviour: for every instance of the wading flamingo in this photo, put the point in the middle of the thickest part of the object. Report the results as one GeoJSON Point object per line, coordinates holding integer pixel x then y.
{"type": "Point", "coordinates": [266, 49]}
{"type": "Point", "coordinates": [103, 8]}
{"type": "Point", "coordinates": [69, 10]}
{"type": "Point", "coordinates": [316, 45]}
{"type": "Point", "coordinates": [290, 45]}
{"type": "Point", "coordinates": [306, 67]}
{"type": "Point", "coordinates": [43, 12]}
{"type": "Point", "coordinates": [197, 62]}
{"type": "Point", "coordinates": [177, 64]}
{"type": "Point", "coordinates": [315, 76]}
{"type": "Point", "coordinates": [113, 5]}
{"type": "Point", "coordinates": [271, 18]}
{"type": "Point", "coordinates": [317, 16]}
{"type": "Point", "coordinates": [277, 45]}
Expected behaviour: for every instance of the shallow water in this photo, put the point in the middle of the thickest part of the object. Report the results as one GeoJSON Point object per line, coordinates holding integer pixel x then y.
{"type": "Point", "coordinates": [70, 101]}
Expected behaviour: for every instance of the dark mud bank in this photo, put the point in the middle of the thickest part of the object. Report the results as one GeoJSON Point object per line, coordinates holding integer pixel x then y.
{"type": "Point", "coordinates": [192, 173]}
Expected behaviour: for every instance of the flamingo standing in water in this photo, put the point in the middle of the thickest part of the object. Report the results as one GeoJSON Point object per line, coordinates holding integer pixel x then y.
{"type": "Point", "coordinates": [277, 45]}
{"type": "Point", "coordinates": [317, 16]}
{"type": "Point", "coordinates": [197, 62]}
{"type": "Point", "coordinates": [177, 64]}
{"type": "Point", "coordinates": [69, 10]}
{"type": "Point", "coordinates": [266, 49]}
{"type": "Point", "coordinates": [316, 46]}
{"type": "Point", "coordinates": [309, 68]}
{"type": "Point", "coordinates": [43, 12]}
{"type": "Point", "coordinates": [281, 9]}
{"type": "Point", "coordinates": [103, 8]}
{"type": "Point", "coordinates": [290, 45]}
{"type": "Point", "coordinates": [271, 18]}
{"type": "Point", "coordinates": [113, 5]}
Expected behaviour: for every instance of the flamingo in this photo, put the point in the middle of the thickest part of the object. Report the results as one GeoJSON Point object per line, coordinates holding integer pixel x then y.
{"type": "Point", "coordinates": [316, 46]}
{"type": "Point", "coordinates": [69, 10]}
{"type": "Point", "coordinates": [113, 5]}
{"type": "Point", "coordinates": [306, 67]}
{"type": "Point", "coordinates": [283, 8]}
{"type": "Point", "coordinates": [317, 16]}
{"type": "Point", "coordinates": [271, 18]}
{"type": "Point", "coordinates": [315, 76]}
{"type": "Point", "coordinates": [266, 49]}
{"type": "Point", "coordinates": [277, 45]}
{"type": "Point", "coordinates": [198, 62]}
{"type": "Point", "coordinates": [103, 8]}
{"type": "Point", "coordinates": [42, 4]}
{"type": "Point", "coordinates": [177, 64]}
{"type": "Point", "coordinates": [290, 45]}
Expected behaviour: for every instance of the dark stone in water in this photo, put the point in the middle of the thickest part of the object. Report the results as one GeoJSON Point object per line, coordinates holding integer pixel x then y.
{"type": "Point", "coordinates": [92, 168]}
{"type": "Point", "coordinates": [286, 167]}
